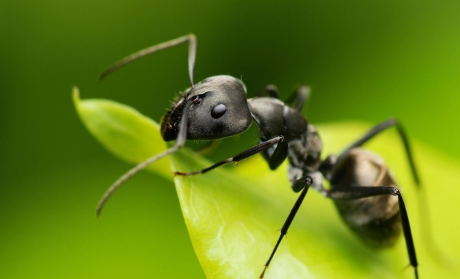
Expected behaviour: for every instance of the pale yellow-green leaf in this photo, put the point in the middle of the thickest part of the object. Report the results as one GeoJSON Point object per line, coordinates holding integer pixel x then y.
{"type": "Point", "coordinates": [121, 129]}
{"type": "Point", "coordinates": [233, 213]}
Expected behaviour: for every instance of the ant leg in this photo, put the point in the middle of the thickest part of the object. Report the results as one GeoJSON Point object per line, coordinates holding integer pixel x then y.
{"type": "Point", "coordinates": [276, 157]}
{"type": "Point", "coordinates": [305, 183]}
{"type": "Point", "coordinates": [181, 137]}
{"type": "Point", "coordinates": [299, 97]}
{"type": "Point", "coordinates": [243, 155]}
{"type": "Point", "coordinates": [270, 91]}
{"type": "Point", "coordinates": [358, 192]}
{"type": "Point", "coordinates": [379, 128]}
{"type": "Point", "coordinates": [190, 38]}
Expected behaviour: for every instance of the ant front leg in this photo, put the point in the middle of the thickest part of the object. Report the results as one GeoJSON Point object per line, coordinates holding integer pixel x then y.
{"type": "Point", "coordinates": [243, 155]}
{"type": "Point", "coordinates": [297, 99]}
{"type": "Point", "coordinates": [270, 91]}
{"type": "Point", "coordinates": [359, 192]}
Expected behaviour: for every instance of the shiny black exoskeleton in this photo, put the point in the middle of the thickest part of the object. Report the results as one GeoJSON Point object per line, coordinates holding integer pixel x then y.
{"type": "Point", "coordinates": [362, 188]}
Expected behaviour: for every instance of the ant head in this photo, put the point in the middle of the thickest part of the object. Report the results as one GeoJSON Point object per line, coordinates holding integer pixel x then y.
{"type": "Point", "coordinates": [218, 109]}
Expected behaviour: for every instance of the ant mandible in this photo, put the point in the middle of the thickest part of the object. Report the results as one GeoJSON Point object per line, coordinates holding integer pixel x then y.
{"type": "Point", "coordinates": [361, 186]}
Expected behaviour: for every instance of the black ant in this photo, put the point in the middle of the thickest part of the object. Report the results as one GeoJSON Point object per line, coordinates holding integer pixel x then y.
{"type": "Point", "coordinates": [361, 185]}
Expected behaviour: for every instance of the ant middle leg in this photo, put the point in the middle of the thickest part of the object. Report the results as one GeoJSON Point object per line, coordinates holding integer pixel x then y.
{"type": "Point", "coordinates": [302, 183]}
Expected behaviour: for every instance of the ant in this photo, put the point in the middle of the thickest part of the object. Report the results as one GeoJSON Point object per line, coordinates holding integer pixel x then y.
{"type": "Point", "coordinates": [361, 186]}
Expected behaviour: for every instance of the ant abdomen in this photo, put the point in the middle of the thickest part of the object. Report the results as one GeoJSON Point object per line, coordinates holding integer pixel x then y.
{"type": "Point", "coordinates": [375, 220]}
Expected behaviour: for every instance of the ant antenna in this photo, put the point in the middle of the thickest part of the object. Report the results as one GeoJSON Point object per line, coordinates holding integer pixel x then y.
{"type": "Point", "coordinates": [182, 134]}
{"type": "Point", "coordinates": [147, 51]}
{"type": "Point", "coordinates": [181, 137]}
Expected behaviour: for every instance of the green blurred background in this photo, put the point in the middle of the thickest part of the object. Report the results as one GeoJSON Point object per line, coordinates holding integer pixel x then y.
{"type": "Point", "coordinates": [365, 60]}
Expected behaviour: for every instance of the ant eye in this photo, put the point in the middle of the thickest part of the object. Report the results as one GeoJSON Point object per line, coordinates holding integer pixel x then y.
{"type": "Point", "coordinates": [218, 111]}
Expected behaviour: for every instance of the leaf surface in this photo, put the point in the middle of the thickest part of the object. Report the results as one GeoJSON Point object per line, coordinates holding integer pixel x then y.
{"type": "Point", "coordinates": [233, 213]}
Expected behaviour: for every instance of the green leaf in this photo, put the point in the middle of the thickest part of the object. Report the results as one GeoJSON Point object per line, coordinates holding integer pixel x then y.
{"type": "Point", "coordinates": [121, 129]}
{"type": "Point", "coordinates": [233, 213]}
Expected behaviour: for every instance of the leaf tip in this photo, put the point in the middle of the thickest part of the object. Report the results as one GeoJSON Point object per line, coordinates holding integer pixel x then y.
{"type": "Point", "coordinates": [75, 95]}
